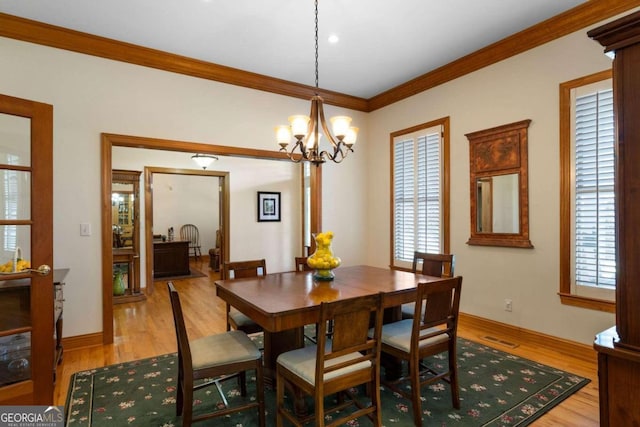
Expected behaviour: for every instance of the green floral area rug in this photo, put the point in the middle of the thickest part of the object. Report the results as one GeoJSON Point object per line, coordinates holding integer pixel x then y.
{"type": "Point", "coordinates": [496, 389]}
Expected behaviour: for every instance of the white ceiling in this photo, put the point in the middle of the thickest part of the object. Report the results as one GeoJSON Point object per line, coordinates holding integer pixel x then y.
{"type": "Point", "coordinates": [383, 43]}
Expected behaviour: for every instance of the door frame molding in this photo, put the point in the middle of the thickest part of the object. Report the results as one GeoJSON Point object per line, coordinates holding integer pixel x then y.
{"type": "Point", "coordinates": [108, 141]}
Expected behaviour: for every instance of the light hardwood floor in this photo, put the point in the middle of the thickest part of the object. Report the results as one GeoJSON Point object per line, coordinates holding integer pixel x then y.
{"type": "Point", "coordinates": [145, 329]}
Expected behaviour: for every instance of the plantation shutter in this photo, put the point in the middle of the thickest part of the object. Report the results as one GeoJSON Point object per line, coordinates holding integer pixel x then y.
{"type": "Point", "coordinates": [594, 190]}
{"type": "Point", "coordinates": [417, 194]}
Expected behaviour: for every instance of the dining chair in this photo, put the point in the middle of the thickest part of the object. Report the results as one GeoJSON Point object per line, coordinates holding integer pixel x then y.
{"type": "Point", "coordinates": [238, 270]}
{"type": "Point", "coordinates": [301, 264]}
{"type": "Point", "coordinates": [228, 354]}
{"type": "Point", "coordinates": [350, 359]}
{"type": "Point", "coordinates": [190, 232]}
{"type": "Point", "coordinates": [433, 333]}
{"type": "Point", "coordinates": [438, 265]}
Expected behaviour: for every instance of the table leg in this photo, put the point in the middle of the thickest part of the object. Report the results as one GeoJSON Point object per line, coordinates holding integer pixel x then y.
{"type": "Point", "coordinates": [276, 343]}
{"type": "Point", "coordinates": [392, 365]}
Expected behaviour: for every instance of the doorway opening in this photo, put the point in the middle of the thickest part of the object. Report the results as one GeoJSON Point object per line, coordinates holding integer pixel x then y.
{"type": "Point", "coordinates": [109, 141]}
{"type": "Point", "coordinates": [151, 224]}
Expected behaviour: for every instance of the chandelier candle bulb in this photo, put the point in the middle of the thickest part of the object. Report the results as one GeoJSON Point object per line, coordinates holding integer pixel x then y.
{"type": "Point", "coordinates": [311, 141]}
{"type": "Point", "coordinates": [340, 125]}
{"type": "Point", "coordinates": [283, 135]}
{"type": "Point", "coordinates": [351, 136]}
{"type": "Point", "coordinates": [299, 125]}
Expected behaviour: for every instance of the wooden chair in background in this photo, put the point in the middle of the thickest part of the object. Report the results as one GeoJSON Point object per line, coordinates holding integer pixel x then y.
{"type": "Point", "coordinates": [190, 232]}
{"type": "Point", "coordinates": [238, 270]}
{"type": "Point", "coordinates": [433, 333]}
{"type": "Point", "coordinates": [350, 359]}
{"type": "Point", "coordinates": [215, 254]}
{"type": "Point", "coordinates": [301, 264]}
{"type": "Point", "coordinates": [438, 265]}
{"type": "Point", "coordinates": [229, 354]}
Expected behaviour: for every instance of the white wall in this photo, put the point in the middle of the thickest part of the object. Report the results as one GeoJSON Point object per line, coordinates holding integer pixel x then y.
{"type": "Point", "coordinates": [93, 95]}
{"type": "Point", "coordinates": [186, 199]}
{"type": "Point", "coordinates": [519, 88]}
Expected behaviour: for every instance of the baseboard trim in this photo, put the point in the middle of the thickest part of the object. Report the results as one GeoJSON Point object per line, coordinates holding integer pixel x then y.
{"type": "Point", "coordinates": [82, 341]}
{"type": "Point", "coordinates": [522, 335]}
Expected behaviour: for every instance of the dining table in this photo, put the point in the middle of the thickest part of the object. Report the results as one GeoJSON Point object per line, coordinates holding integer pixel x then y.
{"type": "Point", "coordinates": [283, 303]}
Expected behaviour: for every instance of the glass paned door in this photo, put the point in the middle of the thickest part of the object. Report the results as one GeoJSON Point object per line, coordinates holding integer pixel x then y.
{"type": "Point", "coordinates": [26, 296]}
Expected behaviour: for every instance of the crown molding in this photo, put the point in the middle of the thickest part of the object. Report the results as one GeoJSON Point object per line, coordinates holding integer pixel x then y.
{"type": "Point", "coordinates": [581, 16]}
{"type": "Point", "coordinates": [63, 38]}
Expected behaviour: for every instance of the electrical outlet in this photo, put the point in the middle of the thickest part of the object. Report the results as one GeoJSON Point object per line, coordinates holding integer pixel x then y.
{"type": "Point", "coordinates": [508, 304]}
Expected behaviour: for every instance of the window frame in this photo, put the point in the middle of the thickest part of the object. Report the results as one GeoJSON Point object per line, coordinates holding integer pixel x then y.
{"type": "Point", "coordinates": [443, 123]}
{"type": "Point", "coordinates": [566, 292]}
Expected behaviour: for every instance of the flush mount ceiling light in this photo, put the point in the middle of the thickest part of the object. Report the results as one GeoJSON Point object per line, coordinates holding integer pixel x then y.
{"type": "Point", "coordinates": [203, 160]}
{"type": "Point", "coordinates": [305, 130]}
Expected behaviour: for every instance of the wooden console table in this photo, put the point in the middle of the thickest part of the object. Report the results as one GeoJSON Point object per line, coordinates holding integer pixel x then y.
{"type": "Point", "coordinates": [171, 258]}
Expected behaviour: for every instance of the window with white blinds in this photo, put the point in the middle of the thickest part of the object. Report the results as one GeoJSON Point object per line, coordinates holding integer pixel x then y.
{"type": "Point", "coordinates": [594, 257]}
{"type": "Point", "coordinates": [417, 194]}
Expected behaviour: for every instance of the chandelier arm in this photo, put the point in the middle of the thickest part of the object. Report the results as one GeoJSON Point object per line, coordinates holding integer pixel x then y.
{"type": "Point", "coordinates": [338, 153]}
{"type": "Point", "coordinates": [324, 123]}
{"type": "Point", "coordinates": [291, 154]}
{"type": "Point", "coordinates": [311, 130]}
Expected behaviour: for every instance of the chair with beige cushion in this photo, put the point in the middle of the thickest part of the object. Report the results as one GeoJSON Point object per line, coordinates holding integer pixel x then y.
{"type": "Point", "coordinates": [229, 354]}
{"type": "Point", "coordinates": [438, 265]}
{"type": "Point", "coordinates": [350, 359]}
{"type": "Point", "coordinates": [433, 333]}
{"type": "Point", "coordinates": [238, 270]}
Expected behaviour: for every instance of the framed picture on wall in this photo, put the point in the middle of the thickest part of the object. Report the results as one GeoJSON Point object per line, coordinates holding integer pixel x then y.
{"type": "Point", "coordinates": [268, 206]}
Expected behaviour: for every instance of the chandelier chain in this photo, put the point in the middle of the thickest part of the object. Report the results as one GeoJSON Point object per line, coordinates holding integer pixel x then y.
{"type": "Point", "coordinates": [316, 3]}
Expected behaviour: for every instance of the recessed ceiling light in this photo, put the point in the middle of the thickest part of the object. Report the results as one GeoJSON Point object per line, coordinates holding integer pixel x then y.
{"type": "Point", "coordinates": [333, 39]}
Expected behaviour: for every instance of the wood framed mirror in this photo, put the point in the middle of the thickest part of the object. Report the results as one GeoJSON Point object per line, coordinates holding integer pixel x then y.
{"type": "Point", "coordinates": [499, 186]}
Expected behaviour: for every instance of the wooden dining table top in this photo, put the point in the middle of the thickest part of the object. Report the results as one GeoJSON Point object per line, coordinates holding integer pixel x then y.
{"type": "Point", "coordinates": [288, 300]}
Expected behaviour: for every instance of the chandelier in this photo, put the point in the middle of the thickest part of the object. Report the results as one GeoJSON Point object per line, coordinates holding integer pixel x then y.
{"type": "Point", "coordinates": [306, 130]}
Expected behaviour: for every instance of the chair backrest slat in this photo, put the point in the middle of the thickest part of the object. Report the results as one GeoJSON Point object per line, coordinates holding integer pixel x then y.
{"type": "Point", "coordinates": [438, 265]}
{"type": "Point", "coordinates": [442, 301]}
{"type": "Point", "coordinates": [351, 322]}
{"type": "Point", "coordinates": [243, 269]}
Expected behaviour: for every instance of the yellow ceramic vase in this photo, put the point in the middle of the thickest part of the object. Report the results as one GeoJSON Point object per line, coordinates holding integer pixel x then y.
{"type": "Point", "coordinates": [322, 261]}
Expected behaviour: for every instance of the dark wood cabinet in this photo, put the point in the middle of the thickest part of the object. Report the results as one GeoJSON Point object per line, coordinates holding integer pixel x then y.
{"type": "Point", "coordinates": [619, 347]}
{"type": "Point", "coordinates": [171, 258]}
